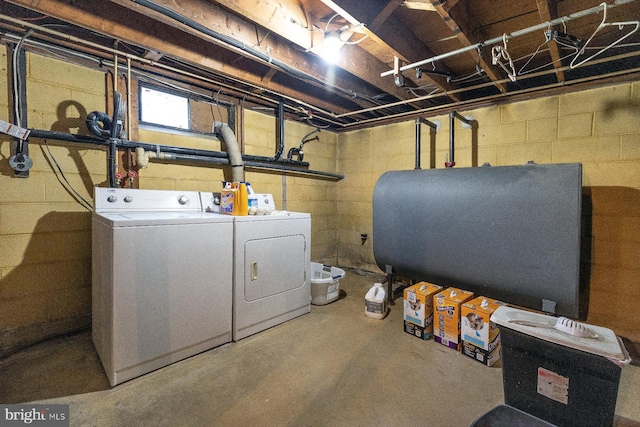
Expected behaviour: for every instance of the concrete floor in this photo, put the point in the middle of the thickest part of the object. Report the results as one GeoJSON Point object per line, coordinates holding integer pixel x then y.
{"type": "Point", "coordinates": [333, 367]}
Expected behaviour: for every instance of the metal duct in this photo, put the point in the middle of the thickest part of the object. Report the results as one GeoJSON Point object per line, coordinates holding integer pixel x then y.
{"type": "Point", "coordinates": [510, 232]}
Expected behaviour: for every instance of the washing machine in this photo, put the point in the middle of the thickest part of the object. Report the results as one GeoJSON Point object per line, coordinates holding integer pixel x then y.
{"type": "Point", "coordinates": [272, 270]}
{"type": "Point", "coordinates": [162, 279]}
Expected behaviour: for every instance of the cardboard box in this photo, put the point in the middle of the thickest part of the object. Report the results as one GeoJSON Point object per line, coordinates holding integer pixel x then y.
{"type": "Point", "coordinates": [480, 335]}
{"type": "Point", "coordinates": [486, 357]}
{"type": "Point", "coordinates": [446, 317]}
{"type": "Point", "coordinates": [418, 331]}
{"type": "Point", "coordinates": [418, 308]}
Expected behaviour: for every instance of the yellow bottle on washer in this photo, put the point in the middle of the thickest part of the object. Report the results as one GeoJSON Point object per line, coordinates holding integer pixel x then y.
{"type": "Point", "coordinates": [241, 204]}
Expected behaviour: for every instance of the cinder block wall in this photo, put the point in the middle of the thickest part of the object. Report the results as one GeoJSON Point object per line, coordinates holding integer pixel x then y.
{"type": "Point", "coordinates": [45, 234]}
{"type": "Point", "coordinates": [599, 128]}
{"type": "Point", "coordinates": [45, 237]}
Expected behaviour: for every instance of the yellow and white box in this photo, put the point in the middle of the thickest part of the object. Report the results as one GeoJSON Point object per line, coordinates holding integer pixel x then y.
{"type": "Point", "coordinates": [480, 336]}
{"type": "Point", "coordinates": [418, 309]}
{"type": "Point", "coordinates": [446, 316]}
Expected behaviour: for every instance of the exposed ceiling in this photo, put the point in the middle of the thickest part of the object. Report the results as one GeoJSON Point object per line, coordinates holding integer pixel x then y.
{"type": "Point", "coordinates": [398, 59]}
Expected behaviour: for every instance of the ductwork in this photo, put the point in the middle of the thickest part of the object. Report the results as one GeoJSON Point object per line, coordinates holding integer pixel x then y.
{"type": "Point", "coordinates": [235, 156]}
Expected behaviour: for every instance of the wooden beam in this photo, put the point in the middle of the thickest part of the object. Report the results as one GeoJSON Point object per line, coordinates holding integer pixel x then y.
{"type": "Point", "coordinates": [419, 5]}
{"type": "Point", "coordinates": [400, 43]}
{"type": "Point", "coordinates": [459, 26]}
{"type": "Point", "coordinates": [110, 19]}
{"type": "Point", "coordinates": [279, 16]}
{"type": "Point", "coordinates": [548, 11]}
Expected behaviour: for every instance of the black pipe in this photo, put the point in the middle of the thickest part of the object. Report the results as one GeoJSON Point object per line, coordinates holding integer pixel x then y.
{"type": "Point", "coordinates": [260, 162]}
{"type": "Point", "coordinates": [433, 126]}
{"type": "Point", "coordinates": [113, 150]}
{"type": "Point", "coordinates": [281, 167]}
{"type": "Point", "coordinates": [418, 144]}
{"type": "Point", "coordinates": [452, 116]}
{"type": "Point", "coordinates": [255, 165]}
{"type": "Point", "coordinates": [93, 124]}
{"type": "Point", "coordinates": [451, 160]}
{"type": "Point", "coordinates": [280, 131]}
{"type": "Point", "coordinates": [84, 139]}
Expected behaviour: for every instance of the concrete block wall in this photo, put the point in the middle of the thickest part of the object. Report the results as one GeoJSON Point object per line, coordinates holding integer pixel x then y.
{"type": "Point", "coordinates": [599, 128]}
{"type": "Point", "coordinates": [45, 234]}
{"type": "Point", "coordinates": [296, 192]}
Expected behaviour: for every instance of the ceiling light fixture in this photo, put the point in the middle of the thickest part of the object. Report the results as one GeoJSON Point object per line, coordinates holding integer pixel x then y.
{"type": "Point", "coordinates": [332, 41]}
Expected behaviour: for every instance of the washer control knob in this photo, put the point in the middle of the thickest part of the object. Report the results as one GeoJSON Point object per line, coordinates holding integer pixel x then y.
{"type": "Point", "coordinates": [111, 199]}
{"type": "Point", "coordinates": [183, 200]}
{"type": "Point", "coordinates": [128, 199]}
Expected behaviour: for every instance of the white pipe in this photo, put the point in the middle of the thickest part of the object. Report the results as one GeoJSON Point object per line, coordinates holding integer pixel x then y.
{"type": "Point", "coordinates": [483, 85]}
{"type": "Point", "coordinates": [501, 38]}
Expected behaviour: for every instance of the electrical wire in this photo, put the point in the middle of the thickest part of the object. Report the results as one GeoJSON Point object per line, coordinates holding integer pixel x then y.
{"type": "Point", "coordinates": [17, 83]}
{"type": "Point", "coordinates": [79, 198]}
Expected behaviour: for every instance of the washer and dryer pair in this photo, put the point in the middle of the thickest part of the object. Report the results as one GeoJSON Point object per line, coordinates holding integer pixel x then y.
{"type": "Point", "coordinates": [171, 280]}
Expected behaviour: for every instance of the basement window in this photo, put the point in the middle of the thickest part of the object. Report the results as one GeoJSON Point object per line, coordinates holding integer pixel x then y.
{"type": "Point", "coordinates": [163, 108]}
{"type": "Point", "coordinates": [174, 111]}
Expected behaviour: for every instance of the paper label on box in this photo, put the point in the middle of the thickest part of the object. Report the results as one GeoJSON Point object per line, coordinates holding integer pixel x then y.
{"type": "Point", "coordinates": [553, 386]}
{"type": "Point", "coordinates": [411, 296]}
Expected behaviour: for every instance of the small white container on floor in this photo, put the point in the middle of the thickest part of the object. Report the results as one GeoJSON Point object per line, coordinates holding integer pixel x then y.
{"type": "Point", "coordinates": [375, 303]}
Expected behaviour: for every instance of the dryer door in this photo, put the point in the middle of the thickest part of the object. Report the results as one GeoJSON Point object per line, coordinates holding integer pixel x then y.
{"type": "Point", "coordinates": [273, 266]}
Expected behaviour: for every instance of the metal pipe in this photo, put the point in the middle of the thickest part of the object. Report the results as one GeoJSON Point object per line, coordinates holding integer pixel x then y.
{"type": "Point", "coordinates": [491, 97]}
{"type": "Point", "coordinates": [328, 116]}
{"type": "Point", "coordinates": [451, 162]}
{"type": "Point", "coordinates": [280, 131]}
{"type": "Point", "coordinates": [419, 121]}
{"type": "Point", "coordinates": [462, 118]}
{"type": "Point", "coordinates": [252, 165]}
{"type": "Point", "coordinates": [452, 125]}
{"type": "Point", "coordinates": [294, 171]}
{"type": "Point", "coordinates": [500, 39]}
{"type": "Point", "coordinates": [112, 162]}
{"type": "Point", "coordinates": [249, 93]}
{"type": "Point", "coordinates": [488, 84]}
{"type": "Point", "coordinates": [418, 144]}
{"type": "Point", "coordinates": [190, 154]}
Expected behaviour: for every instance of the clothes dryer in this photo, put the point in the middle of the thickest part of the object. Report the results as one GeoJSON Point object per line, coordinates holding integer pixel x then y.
{"type": "Point", "coordinates": [272, 270]}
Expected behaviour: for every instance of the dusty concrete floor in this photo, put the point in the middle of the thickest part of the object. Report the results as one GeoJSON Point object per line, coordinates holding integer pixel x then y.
{"type": "Point", "coordinates": [333, 367]}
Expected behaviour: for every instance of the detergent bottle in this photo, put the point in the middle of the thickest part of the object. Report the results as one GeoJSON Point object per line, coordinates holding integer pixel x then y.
{"type": "Point", "coordinates": [227, 198]}
{"type": "Point", "coordinates": [375, 304]}
{"type": "Point", "coordinates": [241, 207]}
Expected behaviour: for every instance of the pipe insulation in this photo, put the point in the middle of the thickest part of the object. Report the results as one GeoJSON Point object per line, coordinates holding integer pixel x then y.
{"type": "Point", "coordinates": [235, 156]}
{"type": "Point", "coordinates": [511, 232]}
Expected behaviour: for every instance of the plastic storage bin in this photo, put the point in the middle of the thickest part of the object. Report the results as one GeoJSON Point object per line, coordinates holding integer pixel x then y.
{"type": "Point", "coordinates": [506, 416]}
{"type": "Point", "coordinates": [325, 283]}
{"type": "Point", "coordinates": [560, 378]}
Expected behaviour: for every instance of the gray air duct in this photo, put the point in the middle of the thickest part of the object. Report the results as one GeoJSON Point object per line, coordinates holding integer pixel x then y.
{"type": "Point", "coordinates": [235, 157]}
{"type": "Point", "coordinates": [510, 232]}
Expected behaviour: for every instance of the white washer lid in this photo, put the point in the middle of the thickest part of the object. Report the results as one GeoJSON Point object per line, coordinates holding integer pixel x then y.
{"type": "Point", "coordinates": [607, 344]}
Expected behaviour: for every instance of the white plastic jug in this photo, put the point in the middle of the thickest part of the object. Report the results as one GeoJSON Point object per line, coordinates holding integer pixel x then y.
{"type": "Point", "coordinates": [375, 304]}
{"type": "Point", "coordinates": [253, 200]}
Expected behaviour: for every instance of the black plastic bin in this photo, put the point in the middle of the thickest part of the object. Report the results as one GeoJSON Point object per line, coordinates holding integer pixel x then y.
{"type": "Point", "coordinates": [507, 416]}
{"type": "Point", "coordinates": [556, 377]}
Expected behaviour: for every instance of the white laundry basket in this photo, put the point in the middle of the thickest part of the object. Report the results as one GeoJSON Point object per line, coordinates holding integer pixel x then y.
{"type": "Point", "coordinates": [325, 283]}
